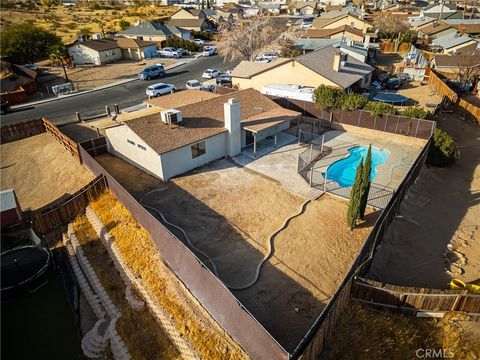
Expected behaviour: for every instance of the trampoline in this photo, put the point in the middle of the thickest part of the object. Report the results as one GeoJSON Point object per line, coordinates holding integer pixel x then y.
{"type": "Point", "coordinates": [390, 98]}
{"type": "Point", "coordinates": [22, 265]}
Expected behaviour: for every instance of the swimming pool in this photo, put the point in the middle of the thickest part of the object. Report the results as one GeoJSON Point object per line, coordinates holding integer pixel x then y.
{"type": "Point", "coordinates": [343, 171]}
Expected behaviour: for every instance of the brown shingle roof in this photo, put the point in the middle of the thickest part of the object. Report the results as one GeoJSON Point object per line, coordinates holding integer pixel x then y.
{"type": "Point", "coordinates": [181, 98]}
{"type": "Point", "coordinates": [433, 28]}
{"type": "Point", "coordinates": [459, 61]}
{"type": "Point", "coordinates": [320, 23]}
{"type": "Point", "coordinates": [471, 29]}
{"type": "Point", "coordinates": [326, 33]}
{"type": "Point", "coordinates": [186, 23]}
{"type": "Point", "coordinates": [100, 44]}
{"type": "Point", "coordinates": [201, 120]}
{"type": "Point", "coordinates": [130, 43]}
{"type": "Point", "coordinates": [247, 69]}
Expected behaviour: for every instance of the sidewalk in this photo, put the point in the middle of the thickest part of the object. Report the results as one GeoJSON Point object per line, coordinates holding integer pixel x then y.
{"type": "Point", "coordinates": [59, 97]}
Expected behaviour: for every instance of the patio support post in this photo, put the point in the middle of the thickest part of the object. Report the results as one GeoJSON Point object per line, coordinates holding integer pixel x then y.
{"type": "Point", "coordinates": [299, 135]}
{"type": "Point", "coordinates": [310, 156]}
{"type": "Point", "coordinates": [254, 145]}
{"type": "Point", "coordinates": [321, 148]}
{"type": "Point", "coordinates": [416, 131]}
{"type": "Point", "coordinates": [325, 182]}
{"type": "Point", "coordinates": [298, 128]}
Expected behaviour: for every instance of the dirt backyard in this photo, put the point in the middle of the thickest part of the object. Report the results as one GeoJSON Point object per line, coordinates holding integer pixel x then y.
{"type": "Point", "coordinates": [436, 235]}
{"type": "Point", "coordinates": [40, 170]}
{"type": "Point", "coordinates": [228, 212]}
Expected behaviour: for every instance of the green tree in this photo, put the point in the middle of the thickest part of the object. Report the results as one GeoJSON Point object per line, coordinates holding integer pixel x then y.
{"type": "Point", "coordinates": [352, 101]}
{"type": "Point", "coordinates": [443, 151]}
{"type": "Point", "coordinates": [124, 24]}
{"type": "Point", "coordinates": [353, 212]}
{"type": "Point", "coordinates": [366, 175]}
{"type": "Point", "coordinates": [26, 43]}
{"type": "Point", "coordinates": [378, 108]}
{"type": "Point", "coordinates": [85, 31]}
{"type": "Point", "coordinates": [327, 98]}
{"type": "Point", "coordinates": [416, 112]}
{"type": "Point", "coordinates": [58, 54]}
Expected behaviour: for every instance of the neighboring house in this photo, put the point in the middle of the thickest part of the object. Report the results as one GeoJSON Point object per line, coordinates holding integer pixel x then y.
{"type": "Point", "coordinates": [181, 33]}
{"type": "Point", "coordinates": [200, 24]}
{"type": "Point", "coordinates": [217, 16]}
{"type": "Point", "coordinates": [150, 31]}
{"type": "Point", "coordinates": [444, 15]}
{"type": "Point", "coordinates": [416, 22]}
{"type": "Point", "coordinates": [236, 10]}
{"type": "Point", "coordinates": [453, 65]}
{"type": "Point", "coordinates": [309, 45]}
{"type": "Point", "coordinates": [437, 8]}
{"type": "Point", "coordinates": [327, 66]}
{"type": "Point", "coordinates": [251, 11]}
{"type": "Point", "coordinates": [453, 43]}
{"type": "Point", "coordinates": [435, 30]}
{"type": "Point", "coordinates": [327, 22]}
{"type": "Point", "coordinates": [185, 13]}
{"type": "Point", "coordinates": [18, 80]}
{"type": "Point", "coordinates": [95, 52]}
{"type": "Point", "coordinates": [270, 8]}
{"type": "Point", "coordinates": [136, 49]}
{"type": "Point", "coordinates": [470, 28]}
{"type": "Point", "coordinates": [211, 127]}
{"type": "Point", "coordinates": [344, 31]}
{"type": "Point", "coordinates": [305, 8]}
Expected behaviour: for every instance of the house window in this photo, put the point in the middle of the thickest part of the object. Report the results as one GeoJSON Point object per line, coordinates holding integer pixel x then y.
{"type": "Point", "coordinates": [142, 147]}
{"type": "Point", "coordinates": [198, 149]}
{"type": "Point", "coordinates": [131, 142]}
{"type": "Point", "coordinates": [113, 52]}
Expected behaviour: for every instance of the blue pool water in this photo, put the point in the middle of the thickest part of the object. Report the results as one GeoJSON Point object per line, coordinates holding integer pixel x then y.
{"type": "Point", "coordinates": [343, 171]}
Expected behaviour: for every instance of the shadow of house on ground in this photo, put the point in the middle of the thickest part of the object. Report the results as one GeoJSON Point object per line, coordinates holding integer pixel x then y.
{"type": "Point", "coordinates": [441, 208]}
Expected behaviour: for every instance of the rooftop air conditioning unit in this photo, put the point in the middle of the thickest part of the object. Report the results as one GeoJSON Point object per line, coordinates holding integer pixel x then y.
{"type": "Point", "coordinates": [171, 116]}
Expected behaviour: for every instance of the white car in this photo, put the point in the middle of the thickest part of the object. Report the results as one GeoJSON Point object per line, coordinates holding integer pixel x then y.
{"type": "Point", "coordinates": [262, 59]}
{"type": "Point", "coordinates": [194, 85]}
{"type": "Point", "coordinates": [160, 89]}
{"type": "Point", "coordinates": [210, 73]}
{"type": "Point", "coordinates": [169, 52]}
{"type": "Point", "coordinates": [198, 41]}
{"type": "Point", "coordinates": [208, 51]}
{"type": "Point", "coordinates": [271, 55]}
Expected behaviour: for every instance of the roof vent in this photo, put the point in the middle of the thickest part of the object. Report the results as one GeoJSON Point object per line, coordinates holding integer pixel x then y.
{"type": "Point", "coordinates": [171, 116]}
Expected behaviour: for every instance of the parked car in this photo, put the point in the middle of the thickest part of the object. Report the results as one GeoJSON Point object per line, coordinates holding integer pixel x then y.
{"type": "Point", "coordinates": [224, 79]}
{"type": "Point", "coordinates": [393, 83]}
{"type": "Point", "coordinates": [208, 51]}
{"type": "Point", "coordinates": [4, 107]}
{"type": "Point", "coordinates": [307, 23]}
{"type": "Point", "coordinates": [31, 66]}
{"type": "Point", "coordinates": [199, 41]}
{"type": "Point", "coordinates": [194, 85]}
{"type": "Point", "coordinates": [210, 73]}
{"type": "Point", "coordinates": [182, 51]}
{"type": "Point", "coordinates": [289, 23]}
{"type": "Point", "coordinates": [151, 72]}
{"type": "Point", "coordinates": [262, 59]}
{"type": "Point", "coordinates": [169, 52]}
{"type": "Point", "coordinates": [160, 89]}
{"type": "Point", "coordinates": [271, 55]}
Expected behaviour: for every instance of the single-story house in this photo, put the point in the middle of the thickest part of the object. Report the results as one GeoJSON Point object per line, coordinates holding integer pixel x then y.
{"type": "Point", "coordinates": [327, 66]}
{"type": "Point", "coordinates": [251, 11]}
{"type": "Point", "coordinates": [416, 22]}
{"type": "Point", "coordinates": [453, 64]}
{"type": "Point", "coordinates": [196, 129]}
{"type": "Point", "coordinates": [434, 9]}
{"type": "Point", "coordinates": [217, 16]}
{"type": "Point", "coordinates": [186, 13]}
{"type": "Point", "coordinates": [236, 10]}
{"type": "Point", "coordinates": [305, 8]}
{"type": "Point", "coordinates": [18, 79]}
{"type": "Point", "coordinates": [345, 18]}
{"type": "Point", "coordinates": [136, 49]}
{"type": "Point", "coordinates": [271, 8]}
{"type": "Point", "coordinates": [200, 24]}
{"type": "Point", "coordinates": [95, 52]}
{"type": "Point", "coordinates": [154, 31]}
{"type": "Point", "coordinates": [344, 31]}
{"type": "Point", "coordinates": [308, 45]}
{"type": "Point", "coordinates": [434, 30]}
{"type": "Point", "coordinates": [453, 43]}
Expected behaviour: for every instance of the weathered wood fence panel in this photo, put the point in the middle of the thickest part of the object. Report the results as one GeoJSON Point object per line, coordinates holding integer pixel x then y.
{"type": "Point", "coordinates": [471, 109]}
{"type": "Point", "coordinates": [437, 84]}
{"type": "Point", "coordinates": [19, 131]}
{"type": "Point", "coordinates": [14, 97]}
{"type": "Point", "coordinates": [63, 139]}
{"type": "Point", "coordinates": [48, 219]}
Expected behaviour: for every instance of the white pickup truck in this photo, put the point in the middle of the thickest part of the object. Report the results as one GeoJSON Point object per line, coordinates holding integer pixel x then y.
{"type": "Point", "coordinates": [169, 52]}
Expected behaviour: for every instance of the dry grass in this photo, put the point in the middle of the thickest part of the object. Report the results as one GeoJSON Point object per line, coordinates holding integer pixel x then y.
{"type": "Point", "coordinates": [66, 21]}
{"type": "Point", "coordinates": [133, 240]}
{"type": "Point", "coordinates": [364, 333]}
{"type": "Point", "coordinates": [140, 331]}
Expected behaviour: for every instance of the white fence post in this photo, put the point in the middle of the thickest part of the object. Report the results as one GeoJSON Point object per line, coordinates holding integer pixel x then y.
{"type": "Point", "coordinates": [325, 182]}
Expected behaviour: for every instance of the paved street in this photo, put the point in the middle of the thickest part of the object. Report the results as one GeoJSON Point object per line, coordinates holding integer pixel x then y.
{"type": "Point", "coordinates": [129, 94]}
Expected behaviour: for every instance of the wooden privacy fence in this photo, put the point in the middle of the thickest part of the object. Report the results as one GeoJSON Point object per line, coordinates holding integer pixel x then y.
{"type": "Point", "coordinates": [22, 130]}
{"type": "Point", "coordinates": [48, 219]}
{"type": "Point", "coordinates": [63, 139]}
{"type": "Point", "coordinates": [14, 97]}
{"type": "Point", "coordinates": [415, 301]}
{"type": "Point", "coordinates": [470, 108]}
{"type": "Point", "coordinates": [437, 84]}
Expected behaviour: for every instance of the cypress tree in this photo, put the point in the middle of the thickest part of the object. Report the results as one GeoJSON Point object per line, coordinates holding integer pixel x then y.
{"type": "Point", "coordinates": [367, 171]}
{"type": "Point", "coordinates": [355, 198]}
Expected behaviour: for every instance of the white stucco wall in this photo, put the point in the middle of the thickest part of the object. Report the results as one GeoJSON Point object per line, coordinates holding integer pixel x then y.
{"type": "Point", "coordinates": [147, 160]}
{"type": "Point", "coordinates": [180, 160]}
{"type": "Point", "coordinates": [84, 55]}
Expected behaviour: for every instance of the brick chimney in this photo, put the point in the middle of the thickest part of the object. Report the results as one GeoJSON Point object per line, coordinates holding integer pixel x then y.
{"type": "Point", "coordinates": [461, 29]}
{"type": "Point", "coordinates": [231, 112]}
{"type": "Point", "coordinates": [336, 60]}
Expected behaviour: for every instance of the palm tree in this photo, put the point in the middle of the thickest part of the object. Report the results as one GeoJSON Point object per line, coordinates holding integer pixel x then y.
{"type": "Point", "coordinates": [59, 54]}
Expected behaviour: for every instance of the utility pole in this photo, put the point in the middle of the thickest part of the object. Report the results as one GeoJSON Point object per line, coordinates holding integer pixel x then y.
{"type": "Point", "coordinates": [441, 10]}
{"type": "Point", "coordinates": [473, 9]}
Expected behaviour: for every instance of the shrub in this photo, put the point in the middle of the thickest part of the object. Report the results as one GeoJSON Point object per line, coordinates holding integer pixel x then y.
{"type": "Point", "coordinates": [443, 151]}
{"type": "Point", "coordinates": [202, 35]}
{"type": "Point", "coordinates": [378, 108]}
{"type": "Point", "coordinates": [180, 43]}
{"type": "Point", "coordinates": [327, 98]}
{"type": "Point", "coordinates": [353, 101]}
{"type": "Point", "coordinates": [124, 24]}
{"type": "Point", "coordinates": [416, 112]}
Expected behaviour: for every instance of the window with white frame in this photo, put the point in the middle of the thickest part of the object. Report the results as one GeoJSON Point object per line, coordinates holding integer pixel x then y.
{"type": "Point", "coordinates": [198, 149]}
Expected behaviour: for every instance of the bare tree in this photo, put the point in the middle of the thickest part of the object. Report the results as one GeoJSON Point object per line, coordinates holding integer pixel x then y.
{"type": "Point", "coordinates": [390, 24]}
{"type": "Point", "coordinates": [468, 68]}
{"type": "Point", "coordinates": [247, 40]}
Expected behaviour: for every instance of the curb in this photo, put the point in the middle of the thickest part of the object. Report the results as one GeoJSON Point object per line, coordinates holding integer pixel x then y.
{"type": "Point", "coordinates": [103, 87]}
